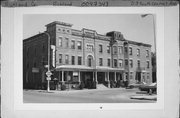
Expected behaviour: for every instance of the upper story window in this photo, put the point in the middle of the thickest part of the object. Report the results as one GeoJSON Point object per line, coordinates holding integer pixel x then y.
{"type": "Point", "coordinates": [100, 62]}
{"type": "Point", "coordinates": [67, 59]}
{"type": "Point", "coordinates": [89, 47]}
{"type": "Point", "coordinates": [108, 49]}
{"type": "Point", "coordinates": [114, 50]}
{"type": "Point", "coordinates": [35, 51]}
{"type": "Point", "coordinates": [100, 48]}
{"type": "Point", "coordinates": [131, 63]}
{"type": "Point", "coordinates": [147, 53]}
{"type": "Point", "coordinates": [138, 63]}
{"type": "Point", "coordinates": [72, 44]}
{"type": "Point", "coordinates": [138, 52]}
{"type": "Point", "coordinates": [60, 58]}
{"type": "Point", "coordinates": [109, 62]}
{"type": "Point", "coordinates": [126, 62]}
{"type": "Point", "coordinates": [130, 51]}
{"type": "Point", "coordinates": [120, 49]}
{"type": "Point", "coordinates": [79, 45]}
{"type": "Point", "coordinates": [60, 41]}
{"type": "Point", "coordinates": [147, 64]}
{"type": "Point", "coordinates": [120, 63]}
{"type": "Point", "coordinates": [79, 60]}
{"type": "Point", "coordinates": [115, 62]}
{"type": "Point", "coordinates": [67, 42]}
{"type": "Point", "coordinates": [73, 60]}
{"type": "Point", "coordinates": [126, 50]}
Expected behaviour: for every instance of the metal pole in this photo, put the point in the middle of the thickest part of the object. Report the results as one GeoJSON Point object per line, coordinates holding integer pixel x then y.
{"type": "Point", "coordinates": [48, 88]}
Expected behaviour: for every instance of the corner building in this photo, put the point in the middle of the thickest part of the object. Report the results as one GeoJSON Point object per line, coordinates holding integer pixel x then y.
{"type": "Point", "coordinates": [84, 56]}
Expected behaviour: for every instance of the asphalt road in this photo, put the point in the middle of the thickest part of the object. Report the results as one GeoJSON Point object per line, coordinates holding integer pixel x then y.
{"type": "Point", "coordinates": [120, 95]}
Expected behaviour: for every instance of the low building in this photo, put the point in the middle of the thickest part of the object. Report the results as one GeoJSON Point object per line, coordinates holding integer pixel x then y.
{"type": "Point", "coordinates": [84, 56]}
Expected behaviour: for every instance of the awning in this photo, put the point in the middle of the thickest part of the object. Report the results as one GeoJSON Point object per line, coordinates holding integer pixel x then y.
{"type": "Point", "coordinates": [86, 68]}
{"type": "Point", "coordinates": [104, 68]}
{"type": "Point", "coordinates": [74, 67]}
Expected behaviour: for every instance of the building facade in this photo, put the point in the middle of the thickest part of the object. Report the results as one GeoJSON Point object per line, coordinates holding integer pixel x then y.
{"type": "Point", "coordinates": [84, 56]}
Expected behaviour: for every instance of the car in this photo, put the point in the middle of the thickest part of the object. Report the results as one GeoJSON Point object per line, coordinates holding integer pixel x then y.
{"type": "Point", "coordinates": [136, 85]}
{"type": "Point", "coordinates": [149, 88]}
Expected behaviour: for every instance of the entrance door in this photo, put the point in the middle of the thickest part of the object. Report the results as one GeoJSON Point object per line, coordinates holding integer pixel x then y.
{"type": "Point", "coordinates": [138, 76]}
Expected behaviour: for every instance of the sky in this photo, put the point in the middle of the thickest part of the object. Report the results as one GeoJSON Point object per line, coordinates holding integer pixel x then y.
{"type": "Point", "coordinates": [132, 26]}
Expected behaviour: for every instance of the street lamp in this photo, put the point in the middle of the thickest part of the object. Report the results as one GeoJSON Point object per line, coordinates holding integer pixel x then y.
{"type": "Point", "coordinates": [48, 73]}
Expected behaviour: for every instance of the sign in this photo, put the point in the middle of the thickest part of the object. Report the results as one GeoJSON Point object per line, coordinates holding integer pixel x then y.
{"type": "Point", "coordinates": [35, 70]}
{"type": "Point", "coordinates": [48, 73]}
{"type": "Point", "coordinates": [75, 73]}
{"type": "Point", "coordinates": [48, 78]}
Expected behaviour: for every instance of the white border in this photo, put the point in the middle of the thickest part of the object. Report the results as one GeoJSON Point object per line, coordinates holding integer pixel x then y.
{"type": "Point", "coordinates": [18, 36]}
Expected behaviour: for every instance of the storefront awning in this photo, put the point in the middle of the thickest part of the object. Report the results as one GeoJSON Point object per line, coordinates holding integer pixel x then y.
{"type": "Point", "coordinates": [74, 67]}
{"type": "Point", "coordinates": [104, 68]}
{"type": "Point", "coordinates": [86, 68]}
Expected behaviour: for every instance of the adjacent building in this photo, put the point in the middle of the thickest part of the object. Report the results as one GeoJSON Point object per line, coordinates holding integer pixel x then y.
{"type": "Point", "coordinates": [84, 56]}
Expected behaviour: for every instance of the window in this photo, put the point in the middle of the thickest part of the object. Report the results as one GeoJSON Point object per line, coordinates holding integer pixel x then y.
{"type": "Point", "coordinates": [138, 52]}
{"type": "Point", "coordinates": [138, 63]}
{"type": "Point", "coordinates": [125, 49]}
{"type": "Point", "coordinates": [126, 62]}
{"type": "Point", "coordinates": [60, 41]}
{"type": "Point", "coordinates": [79, 45]}
{"type": "Point", "coordinates": [114, 50]}
{"type": "Point", "coordinates": [67, 59]}
{"type": "Point", "coordinates": [89, 47]}
{"type": "Point", "coordinates": [147, 53]}
{"type": "Point", "coordinates": [60, 58]}
{"type": "Point", "coordinates": [120, 63]}
{"type": "Point", "coordinates": [131, 63]}
{"type": "Point", "coordinates": [109, 62]}
{"type": "Point", "coordinates": [79, 60]}
{"type": "Point", "coordinates": [72, 44]}
{"type": "Point", "coordinates": [100, 48]}
{"type": "Point", "coordinates": [108, 49]}
{"type": "Point", "coordinates": [67, 42]}
{"type": "Point", "coordinates": [120, 50]}
{"type": "Point", "coordinates": [34, 64]}
{"type": "Point", "coordinates": [131, 75]}
{"type": "Point", "coordinates": [147, 64]}
{"type": "Point", "coordinates": [115, 62]}
{"type": "Point", "coordinates": [73, 60]}
{"type": "Point", "coordinates": [130, 50]}
{"type": "Point", "coordinates": [100, 62]}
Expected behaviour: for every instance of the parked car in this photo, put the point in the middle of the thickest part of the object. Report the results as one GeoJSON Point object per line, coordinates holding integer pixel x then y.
{"type": "Point", "coordinates": [150, 88]}
{"type": "Point", "coordinates": [136, 85]}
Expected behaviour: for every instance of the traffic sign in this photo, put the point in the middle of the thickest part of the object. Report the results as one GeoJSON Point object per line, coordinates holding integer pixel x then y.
{"type": "Point", "coordinates": [48, 73]}
{"type": "Point", "coordinates": [48, 78]}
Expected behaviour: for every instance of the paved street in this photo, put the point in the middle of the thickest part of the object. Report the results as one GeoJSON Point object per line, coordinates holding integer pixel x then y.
{"type": "Point", "coordinates": [116, 95]}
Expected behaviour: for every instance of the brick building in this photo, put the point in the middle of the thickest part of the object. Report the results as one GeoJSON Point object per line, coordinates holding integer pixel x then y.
{"type": "Point", "coordinates": [84, 56]}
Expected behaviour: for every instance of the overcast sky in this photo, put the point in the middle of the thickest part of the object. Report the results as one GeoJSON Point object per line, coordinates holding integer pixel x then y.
{"type": "Point", "coordinates": [132, 26]}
